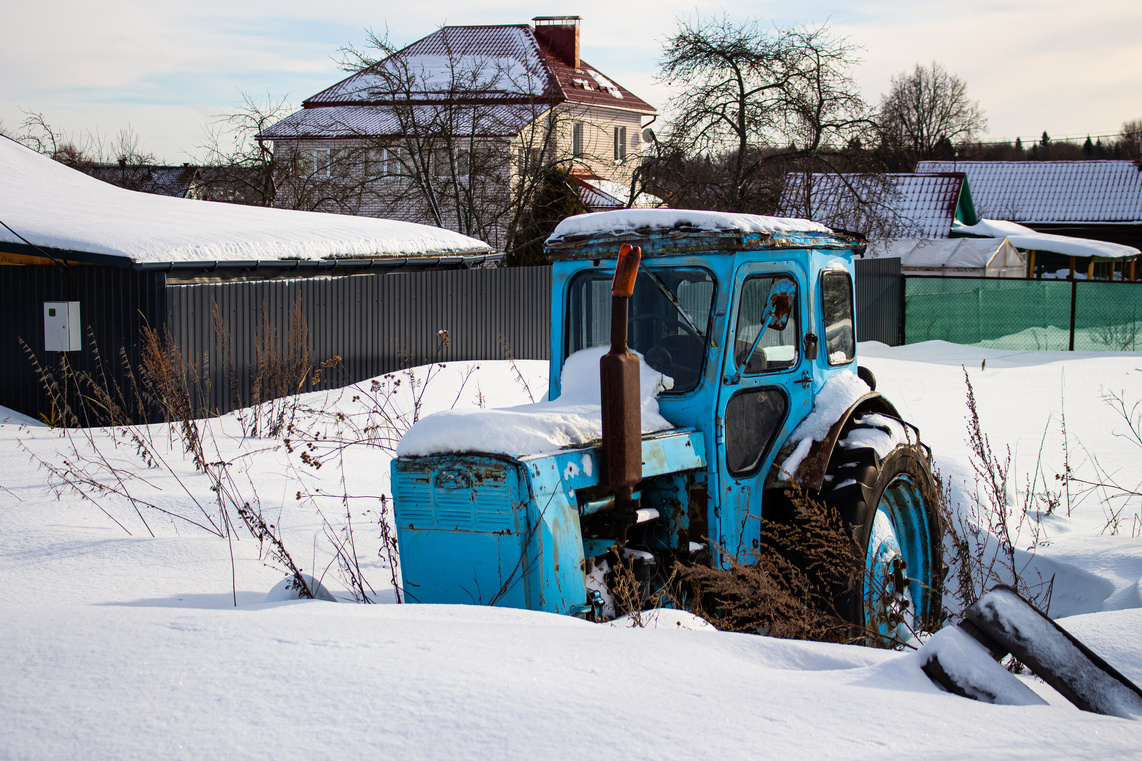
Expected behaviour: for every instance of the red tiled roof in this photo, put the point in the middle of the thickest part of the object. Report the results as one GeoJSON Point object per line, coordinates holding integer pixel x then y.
{"type": "Point", "coordinates": [914, 205]}
{"type": "Point", "coordinates": [485, 62]}
{"type": "Point", "coordinates": [583, 85]}
{"type": "Point", "coordinates": [478, 65]}
{"type": "Point", "coordinates": [1051, 191]}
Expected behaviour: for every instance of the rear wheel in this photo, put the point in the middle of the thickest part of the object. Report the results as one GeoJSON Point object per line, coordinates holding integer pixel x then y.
{"type": "Point", "coordinates": [881, 483]}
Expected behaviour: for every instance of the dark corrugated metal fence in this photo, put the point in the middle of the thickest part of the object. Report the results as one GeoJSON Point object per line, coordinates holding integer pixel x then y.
{"type": "Point", "coordinates": [376, 323]}
{"type": "Point", "coordinates": [879, 291]}
{"type": "Point", "coordinates": [115, 304]}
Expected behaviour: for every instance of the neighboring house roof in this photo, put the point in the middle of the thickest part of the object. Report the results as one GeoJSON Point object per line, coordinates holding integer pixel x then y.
{"type": "Point", "coordinates": [494, 62]}
{"type": "Point", "coordinates": [594, 197]}
{"type": "Point", "coordinates": [920, 205]}
{"type": "Point", "coordinates": [45, 205]}
{"type": "Point", "coordinates": [496, 120]}
{"type": "Point", "coordinates": [508, 68]}
{"type": "Point", "coordinates": [1051, 191]}
{"type": "Point", "coordinates": [175, 181]}
{"type": "Point", "coordinates": [952, 255]}
{"type": "Point", "coordinates": [588, 86]}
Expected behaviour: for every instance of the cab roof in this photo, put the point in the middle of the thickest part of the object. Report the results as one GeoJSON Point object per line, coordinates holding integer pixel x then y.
{"type": "Point", "coordinates": [678, 231]}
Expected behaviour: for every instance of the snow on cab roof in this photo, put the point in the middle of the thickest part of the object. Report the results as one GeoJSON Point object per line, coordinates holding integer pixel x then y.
{"type": "Point", "coordinates": [48, 205]}
{"type": "Point", "coordinates": [639, 221]}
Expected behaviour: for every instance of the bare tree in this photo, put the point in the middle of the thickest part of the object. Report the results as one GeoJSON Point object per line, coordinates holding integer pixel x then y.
{"type": "Point", "coordinates": [239, 164]}
{"type": "Point", "coordinates": [762, 103]}
{"type": "Point", "coordinates": [928, 111]}
{"type": "Point", "coordinates": [1130, 140]}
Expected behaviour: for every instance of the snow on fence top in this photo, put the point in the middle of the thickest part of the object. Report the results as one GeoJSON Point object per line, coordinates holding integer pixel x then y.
{"type": "Point", "coordinates": [54, 206]}
{"type": "Point", "coordinates": [633, 220]}
{"type": "Point", "coordinates": [1029, 240]}
{"type": "Point", "coordinates": [574, 419]}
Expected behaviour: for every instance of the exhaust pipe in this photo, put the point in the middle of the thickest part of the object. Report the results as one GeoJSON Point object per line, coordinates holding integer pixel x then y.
{"type": "Point", "coordinates": [619, 384]}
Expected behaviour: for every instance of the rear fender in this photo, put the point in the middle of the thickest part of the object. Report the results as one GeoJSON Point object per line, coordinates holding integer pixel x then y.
{"type": "Point", "coordinates": [810, 473]}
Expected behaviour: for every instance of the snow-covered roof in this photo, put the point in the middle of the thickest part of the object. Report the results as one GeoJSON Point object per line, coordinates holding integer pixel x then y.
{"type": "Point", "coordinates": [1051, 191]}
{"type": "Point", "coordinates": [498, 62]}
{"type": "Point", "coordinates": [46, 204]}
{"type": "Point", "coordinates": [505, 66]}
{"type": "Point", "coordinates": [639, 220]}
{"type": "Point", "coordinates": [595, 198]}
{"type": "Point", "coordinates": [920, 205]}
{"type": "Point", "coordinates": [355, 121]}
{"type": "Point", "coordinates": [1027, 239]}
{"type": "Point", "coordinates": [621, 192]}
{"type": "Point", "coordinates": [963, 254]}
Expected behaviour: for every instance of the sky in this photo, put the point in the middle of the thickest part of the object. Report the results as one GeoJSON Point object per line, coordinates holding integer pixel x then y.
{"type": "Point", "coordinates": [167, 71]}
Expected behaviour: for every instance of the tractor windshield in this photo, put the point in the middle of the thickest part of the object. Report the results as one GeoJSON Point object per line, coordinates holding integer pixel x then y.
{"type": "Point", "coordinates": [669, 319]}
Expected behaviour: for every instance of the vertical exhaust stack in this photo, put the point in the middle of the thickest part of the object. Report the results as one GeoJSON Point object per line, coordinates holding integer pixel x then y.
{"type": "Point", "coordinates": [619, 385]}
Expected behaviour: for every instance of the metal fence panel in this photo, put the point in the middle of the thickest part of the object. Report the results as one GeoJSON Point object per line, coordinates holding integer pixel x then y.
{"type": "Point", "coordinates": [376, 323]}
{"type": "Point", "coordinates": [1022, 314]}
{"type": "Point", "coordinates": [1107, 316]}
{"type": "Point", "coordinates": [115, 304]}
{"type": "Point", "coordinates": [878, 290]}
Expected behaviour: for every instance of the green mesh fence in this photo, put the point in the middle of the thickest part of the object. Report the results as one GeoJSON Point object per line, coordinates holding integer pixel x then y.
{"type": "Point", "coordinates": [1023, 314]}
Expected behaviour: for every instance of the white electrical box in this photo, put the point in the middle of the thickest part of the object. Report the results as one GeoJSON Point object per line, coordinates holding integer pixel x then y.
{"type": "Point", "coordinates": [61, 326]}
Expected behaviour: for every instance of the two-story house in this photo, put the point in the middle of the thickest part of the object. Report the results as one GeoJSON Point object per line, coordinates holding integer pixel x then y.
{"type": "Point", "coordinates": [461, 128]}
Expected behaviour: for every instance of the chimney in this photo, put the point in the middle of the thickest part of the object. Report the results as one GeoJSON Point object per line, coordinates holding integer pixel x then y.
{"type": "Point", "coordinates": [561, 35]}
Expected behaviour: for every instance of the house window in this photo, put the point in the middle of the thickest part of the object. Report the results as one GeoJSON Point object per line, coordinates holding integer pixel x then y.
{"type": "Point", "coordinates": [320, 162]}
{"type": "Point", "coordinates": [398, 162]}
{"type": "Point", "coordinates": [441, 165]}
{"type": "Point", "coordinates": [620, 143]}
{"type": "Point", "coordinates": [528, 160]}
{"type": "Point", "coordinates": [374, 163]}
{"type": "Point", "coordinates": [577, 139]}
{"type": "Point", "coordinates": [341, 162]}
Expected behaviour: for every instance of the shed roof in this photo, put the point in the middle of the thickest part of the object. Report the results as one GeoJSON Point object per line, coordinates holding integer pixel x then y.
{"type": "Point", "coordinates": [1051, 191]}
{"type": "Point", "coordinates": [963, 254]}
{"type": "Point", "coordinates": [1029, 240]}
{"type": "Point", "coordinates": [49, 208]}
{"type": "Point", "coordinates": [921, 205]}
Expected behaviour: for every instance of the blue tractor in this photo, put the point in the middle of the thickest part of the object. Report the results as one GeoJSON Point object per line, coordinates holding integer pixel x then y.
{"type": "Point", "coordinates": [752, 318]}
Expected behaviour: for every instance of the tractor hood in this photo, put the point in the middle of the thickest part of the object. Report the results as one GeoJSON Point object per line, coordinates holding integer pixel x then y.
{"type": "Point", "coordinates": [491, 529]}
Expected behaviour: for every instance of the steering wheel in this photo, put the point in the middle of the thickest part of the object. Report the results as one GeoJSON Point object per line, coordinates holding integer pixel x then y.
{"type": "Point", "coordinates": [658, 356]}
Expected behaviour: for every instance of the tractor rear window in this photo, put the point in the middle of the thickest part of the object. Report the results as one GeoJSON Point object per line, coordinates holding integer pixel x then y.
{"type": "Point", "coordinates": [669, 319]}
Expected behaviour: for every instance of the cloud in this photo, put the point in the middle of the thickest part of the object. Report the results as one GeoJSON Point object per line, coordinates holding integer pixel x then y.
{"type": "Point", "coordinates": [162, 66]}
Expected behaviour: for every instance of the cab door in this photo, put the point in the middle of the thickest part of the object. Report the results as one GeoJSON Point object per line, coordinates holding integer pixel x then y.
{"type": "Point", "coordinates": [765, 385]}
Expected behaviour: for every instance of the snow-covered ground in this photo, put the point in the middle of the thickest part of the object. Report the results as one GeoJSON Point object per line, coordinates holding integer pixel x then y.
{"type": "Point", "coordinates": [121, 639]}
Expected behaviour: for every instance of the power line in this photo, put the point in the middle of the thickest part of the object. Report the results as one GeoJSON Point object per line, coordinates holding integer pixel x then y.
{"type": "Point", "coordinates": [1054, 138]}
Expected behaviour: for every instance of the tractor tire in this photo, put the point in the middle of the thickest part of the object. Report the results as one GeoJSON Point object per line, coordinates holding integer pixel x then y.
{"type": "Point", "coordinates": [880, 481]}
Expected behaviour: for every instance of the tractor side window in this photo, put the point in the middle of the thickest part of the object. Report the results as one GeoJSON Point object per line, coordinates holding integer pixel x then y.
{"type": "Point", "coordinates": [776, 349]}
{"type": "Point", "coordinates": [837, 304]}
{"type": "Point", "coordinates": [668, 319]}
{"type": "Point", "coordinates": [753, 417]}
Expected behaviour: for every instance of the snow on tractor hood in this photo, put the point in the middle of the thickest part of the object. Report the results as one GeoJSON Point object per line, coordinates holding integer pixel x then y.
{"type": "Point", "coordinates": [574, 419]}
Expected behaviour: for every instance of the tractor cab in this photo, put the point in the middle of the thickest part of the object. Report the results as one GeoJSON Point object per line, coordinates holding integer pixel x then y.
{"type": "Point", "coordinates": [698, 315]}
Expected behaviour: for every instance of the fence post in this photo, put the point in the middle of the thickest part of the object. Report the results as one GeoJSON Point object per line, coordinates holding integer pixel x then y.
{"type": "Point", "coordinates": [1074, 291]}
{"type": "Point", "coordinates": [903, 311]}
